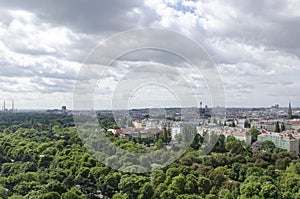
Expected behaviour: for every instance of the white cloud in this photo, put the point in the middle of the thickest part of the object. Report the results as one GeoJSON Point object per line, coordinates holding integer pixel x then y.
{"type": "Point", "coordinates": [255, 45]}
{"type": "Point", "coordinates": [249, 41]}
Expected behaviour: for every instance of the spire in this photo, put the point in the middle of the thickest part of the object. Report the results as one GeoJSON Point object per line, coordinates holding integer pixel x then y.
{"type": "Point", "coordinates": [290, 111]}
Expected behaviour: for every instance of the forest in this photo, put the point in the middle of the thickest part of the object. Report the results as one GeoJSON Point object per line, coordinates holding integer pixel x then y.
{"type": "Point", "coordinates": [42, 156]}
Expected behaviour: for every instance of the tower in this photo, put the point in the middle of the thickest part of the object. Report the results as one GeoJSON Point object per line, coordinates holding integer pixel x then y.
{"type": "Point", "coordinates": [290, 111]}
{"type": "Point", "coordinates": [64, 109]}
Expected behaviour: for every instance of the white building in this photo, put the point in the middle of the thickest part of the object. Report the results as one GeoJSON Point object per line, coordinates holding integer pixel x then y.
{"type": "Point", "coordinates": [242, 136]}
{"type": "Point", "coordinates": [281, 140]}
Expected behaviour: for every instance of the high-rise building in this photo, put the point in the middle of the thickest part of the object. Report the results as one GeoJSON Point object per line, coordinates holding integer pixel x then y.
{"type": "Point", "coordinates": [290, 111]}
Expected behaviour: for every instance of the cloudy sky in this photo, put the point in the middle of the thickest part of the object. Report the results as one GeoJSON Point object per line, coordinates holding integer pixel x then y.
{"type": "Point", "coordinates": [254, 44]}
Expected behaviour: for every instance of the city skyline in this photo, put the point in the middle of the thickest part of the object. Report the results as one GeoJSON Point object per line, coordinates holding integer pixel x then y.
{"type": "Point", "coordinates": [254, 45]}
{"type": "Point", "coordinates": [10, 106]}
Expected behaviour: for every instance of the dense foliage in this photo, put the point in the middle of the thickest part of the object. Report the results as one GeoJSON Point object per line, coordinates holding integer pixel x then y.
{"type": "Point", "coordinates": [42, 156]}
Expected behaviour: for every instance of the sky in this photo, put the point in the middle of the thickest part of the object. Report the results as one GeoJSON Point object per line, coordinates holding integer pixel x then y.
{"type": "Point", "coordinates": [254, 44]}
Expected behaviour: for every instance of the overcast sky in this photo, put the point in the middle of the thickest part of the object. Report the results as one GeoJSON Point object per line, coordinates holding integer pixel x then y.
{"type": "Point", "coordinates": [255, 45]}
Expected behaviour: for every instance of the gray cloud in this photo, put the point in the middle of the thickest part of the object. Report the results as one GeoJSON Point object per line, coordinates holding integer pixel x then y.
{"type": "Point", "coordinates": [94, 16]}
{"type": "Point", "coordinates": [274, 24]}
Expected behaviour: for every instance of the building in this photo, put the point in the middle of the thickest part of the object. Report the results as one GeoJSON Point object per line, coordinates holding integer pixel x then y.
{"type": "Point", "coordinates": [295, 124]}
{"type": "Point", "coordinates": [281, 140]}
{"type": "Point", "coordinates": [175, 129]}
{"type": "Point", "coordinates": [138, 124]}
{"type": "Point", "coordinates": [276, 106]}
{"type": "Point", "coordinates": [238, 133]}
{"type": "Point", "coordinates": [131, 132]}
{"type": "Point", "coordinates": [205, 112]}
{"type": "Point", "coordinates": [242, 136]}
{"type": "Point", "coordinates": [64, 110]}
{"type": "Point", "coordinates": [270, 125]}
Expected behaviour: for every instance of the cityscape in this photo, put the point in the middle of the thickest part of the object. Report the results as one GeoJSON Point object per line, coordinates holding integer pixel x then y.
{"type": "Point", "coordinates": [276, 124]}
{"type": "Point", "coordinates": [150, 99]}
{"type": "Point", "coordinates": [249, 132]}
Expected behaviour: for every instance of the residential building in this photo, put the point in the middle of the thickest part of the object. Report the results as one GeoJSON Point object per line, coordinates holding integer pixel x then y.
{"type": "Point", "coordinates": [242, 136]}
{"type": "Point", "coordinates": [295, 124]}
{"type": "Point", "coordinates": [281, 140]}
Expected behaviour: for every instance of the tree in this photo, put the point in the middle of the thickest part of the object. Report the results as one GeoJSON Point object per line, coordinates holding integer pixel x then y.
{"type": "Point", "coordinates": [111, 182]}
{"type": "Point", "coordinates": [297, 168]}
{"type": "Point", "coordinates": [50, 195]}
{"type": "Point", "coordinates": [131, 184]}
{"type": "Point", "coordinates": [205, 184]}
{"type": "Point", "coordinates": [282, 127]}
{"type": "Point", "coordinates": [277, 127]}
{"type": "Point", "coordinates": [186, 161]}
{"type": "Point", "coordinates": [44, 160]}
{"type": "Point", "coordinates": [254, 133]}
{"type": "Point", "coordinates": [271, 171]}
{"type": "Point", "coordinates": [146, 191]}
{"type": "Point", "coordinates": [120, 196]}
{"type": "Point", "coordinates": [177, 185]}
{"type": "Point", "coordinates": [282, 163]}
{"type": "Point", "coordinates": [220, 145]}
{"type": "Point", "coordinates": [3, 193]}
{"type": "Point", "coordinates": [189, 196]}
{"type": "Point", "coordinates": [167, 194]}
{"type": "Point", "coordinates": [159, 190]}
{"type": "Point", "coordinates": [233, 145]}
{"type": "Point", "coordinates": [166, 135]}
{"type": "Point", "coordinates": [157, 177]}
{"type": "Point", "coordinates": [191, 185]}
{"type": "Point", "coordinates": [73, 193]}
{"type": "Point", "coordinates": [268, 190]}
{"type": "Point", "coordinates": [172, 172]}
{"type": "Point", "coordinates": [250, 189]}
{"type": "Point", "coordinates": [211, 196]}
{"type": "Point", "coordinates": [254, 171]}
{"type": "Point", "coordinates": [233, 124]}
{"type": "Point", "coordinates": [224, 194]}
{"type": "Point", "coordinates": [217, 177]}
{"type": "Point", "coordinates": [198, 139]}
{"type": "Point", "coordinates": [56, 186]}
{"type": "Point", "coordinates": [267, 145]}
